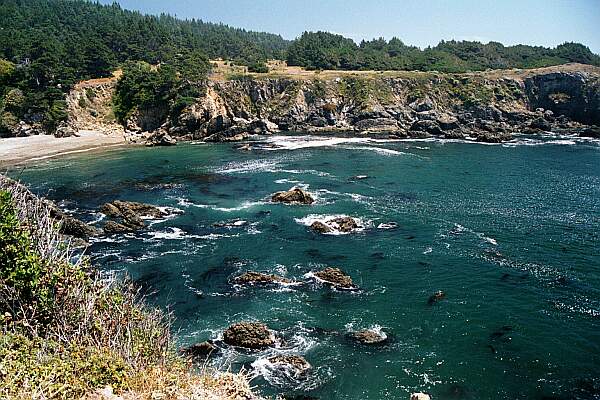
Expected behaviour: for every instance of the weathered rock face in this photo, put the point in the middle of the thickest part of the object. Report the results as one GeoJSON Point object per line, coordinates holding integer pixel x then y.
{"type": "Point", "coordinates": [336, 278]}
{"type": "Point", "coordinates": [250, 335]}
{"type": "Point", "coordinates": [293, 196]}
{"type": "Point", "coordinates": [485, 107]}
{"type": "Point", "coordinates": [575, 95]}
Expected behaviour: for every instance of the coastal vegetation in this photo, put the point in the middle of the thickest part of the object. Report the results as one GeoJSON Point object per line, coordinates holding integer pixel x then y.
{"type": "Point", "coordinates": [66, 330]}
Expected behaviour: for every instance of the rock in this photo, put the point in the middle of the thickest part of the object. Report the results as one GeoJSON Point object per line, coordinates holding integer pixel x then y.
{"type": "Point", "coordinates": [73, 227]}
{"type": "Point", "coordinates": [160, 138]}
{"type": "Point", "coordinates": [430, 127]}
{"type": "Point", "coordinates": [368, 336]}
{"type": "Point", "coordinates": [344, 224]}
{"type": "Point", "coordinates": [420, 396]}
{"type": "Point", "coordinates": [592, 132]}
{"type": "Point", "coordinates": [293, 196]}
{"type": "Point", "coordinates": [541, 124]}
{"type": "Point", "coordinates": [437, 296]}
{"type": "Point", "coordinates": [297, 363]}
{"type": "Point", "coordinates": [320, 227]}
{"type": "Point", "coordinates": [339, 224]}
{"type": "Point", "coordinates": [64, 130]}
{"type": "Point", "coordinates": [236, 223]}
{"type": "Point", "coordinates": [359, 177]}
{"type": "Point", "coordinates": [250, 335]}
{"type": "Point", "coordinates": [494, 137]}
{"type": "Point", "coordinates": [376, 125]}
{"type": "Point", "coordinates": [130, 213]}
{"type": "Point", "coordinates": [447, 122]}
{"type": "Point", "coordinates": [112, 227]}
{"type": "Point", "coordinates": [257, 278]}
{"type": "Point", "coordinates": [422, 105]}
{"type": "Point", "coordinates": [456, 134]}
{"type": "Point", "coordinates": [200, 351]}
{"type": "Point", "coordinates": [336, 278]}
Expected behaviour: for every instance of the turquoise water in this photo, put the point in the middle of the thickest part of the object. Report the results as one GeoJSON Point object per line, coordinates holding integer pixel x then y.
{"type": "Point", "coordinates": [510, 232]}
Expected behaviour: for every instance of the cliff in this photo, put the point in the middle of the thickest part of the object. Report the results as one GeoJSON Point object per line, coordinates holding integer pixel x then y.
{"type": "Point", "coordinates": [485, 106]}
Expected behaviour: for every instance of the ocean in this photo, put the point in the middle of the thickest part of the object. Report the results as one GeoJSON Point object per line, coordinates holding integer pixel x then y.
{"type": "Point", "coordinates": [510, 233]}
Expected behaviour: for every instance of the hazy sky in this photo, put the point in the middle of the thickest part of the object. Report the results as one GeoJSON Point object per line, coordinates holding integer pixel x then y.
{"type": "Point", "coordinates": [416, 22]}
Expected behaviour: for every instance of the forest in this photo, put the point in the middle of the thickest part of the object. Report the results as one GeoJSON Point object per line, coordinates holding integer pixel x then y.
{"type": "Point", "coordinates": [47, 46]}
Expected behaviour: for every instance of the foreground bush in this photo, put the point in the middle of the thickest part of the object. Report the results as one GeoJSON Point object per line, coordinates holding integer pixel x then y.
{"type": "Point", "coordinates": [66, 330]}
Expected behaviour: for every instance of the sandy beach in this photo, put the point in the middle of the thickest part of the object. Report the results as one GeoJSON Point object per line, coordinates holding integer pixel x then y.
{"type": "Point", "coordinates": [22, 150]}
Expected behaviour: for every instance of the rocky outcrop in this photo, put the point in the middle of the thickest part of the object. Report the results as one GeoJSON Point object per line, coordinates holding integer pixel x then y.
{"type": "Point", "coordinates": [200, 351]}
{"type": "Point", "coordinates": [257, 278]}
{"type": "Point", "coordinates": [336, 278]}
{"type": "Point", "coordinates": [249, 335]}
{"type": "Point", "coordinates": [337, 224]}
{"type": "Point", "coordinates": [368, 336]}
{"type": "Point", "coordinates": [293, 196]}
{"type": "Point", "coordinates": [128, 215]}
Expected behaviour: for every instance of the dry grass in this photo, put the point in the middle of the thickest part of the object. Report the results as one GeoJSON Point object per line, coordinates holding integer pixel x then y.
{"type": "Point", "coordinates": [75, 330]}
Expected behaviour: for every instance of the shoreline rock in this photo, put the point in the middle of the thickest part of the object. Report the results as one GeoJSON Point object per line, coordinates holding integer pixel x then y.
{"type": "Point", "coordinates": [293, 196]}
{"type": "Point", "coordinates": [249, 335]}
{"type": "Point", "coordinates": [336, 278]}
{"type": "Point", "coordinates": [258, 278]}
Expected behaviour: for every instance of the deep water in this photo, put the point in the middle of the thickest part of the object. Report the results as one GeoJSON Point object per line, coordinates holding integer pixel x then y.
{"type": "Point", "coordinates": [511, 234]}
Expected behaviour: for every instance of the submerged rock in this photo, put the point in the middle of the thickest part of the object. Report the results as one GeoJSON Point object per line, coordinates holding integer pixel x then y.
{"type": "Point", "coordinates": [257, 278]}
{"type": "Point", "coordinates": [437, 296]}
{"type": "Point", "coordinates": [336, 278]}
{"type": "Point", "coordinates": [250, 335]}
{"type": "Point", "coordinates": [293, 196]}
{"type": "Point", "coordinates": [368, 336]}
{"type": "Point", "coordinates": [298, 364]}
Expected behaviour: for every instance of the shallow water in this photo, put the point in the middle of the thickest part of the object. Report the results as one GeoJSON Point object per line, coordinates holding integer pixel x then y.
{"type": "Point", "coordinates": [510, 233]}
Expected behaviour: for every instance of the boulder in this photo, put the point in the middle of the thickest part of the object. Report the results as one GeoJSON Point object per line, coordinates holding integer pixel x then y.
{"type": "Point", "coordinates": [592, 132]}
{"type": "Point", "coordinates": [160, 138]}
{"type": "Point", "coordinates": [437, 296]}
{"type": "Point", "coordinates": [112, 227]}
{"type": "Point", "coordinates": [494, 137]}
{"type": "Point", "coordinates": [541, 124]}
{"type": "Point", "coordinates": [368, 336]}
{"type": "Point", "coordinates": [296, 363]}
{"type": "Point", "coordinates": [336, 278]}
{"type": "Point", "coordinates": [447, 122]}
{"type": "Point", "coordinates": [130, 213]}
{"type": "Point", "coordinates": [320, 227]}
{"type": "Point", "coordinates": [344, 224]}
{"type": "Point", "coordinates": [200, 351]}
{"type": "Point", "coordinates": [73, 227]}
{"type": "Point", "coordinates": [250, 335]}
{"type": "Point", "coordinates": [257, 278]}
{"type": "Point", "coordinates": [293, 196]}
{"type": "Point", "coordinates": [420, 396]}
{"type": "Point", "coordinates": [428, 126]}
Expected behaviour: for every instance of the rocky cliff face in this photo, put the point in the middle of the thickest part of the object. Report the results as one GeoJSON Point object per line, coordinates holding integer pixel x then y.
{"type": "Point", "coordinates": [484, 106]}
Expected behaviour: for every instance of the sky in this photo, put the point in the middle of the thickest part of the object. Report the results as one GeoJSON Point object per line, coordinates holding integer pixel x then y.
{"type": "Point", "coordinates": [416, 22]}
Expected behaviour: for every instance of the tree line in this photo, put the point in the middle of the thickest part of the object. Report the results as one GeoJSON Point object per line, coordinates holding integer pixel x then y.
{"type": "Point", "coordinates": [46, 46]}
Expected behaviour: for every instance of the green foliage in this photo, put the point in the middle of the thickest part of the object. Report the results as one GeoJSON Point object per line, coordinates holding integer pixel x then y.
{"type": "Point", "coordinates": [322, 50]}
{"type": "Point", "coordinates": [21, 268]}
{"type": "Point", "coordinates": [258, 67]}
{"type": "Point", "coordinates": [58, 371]}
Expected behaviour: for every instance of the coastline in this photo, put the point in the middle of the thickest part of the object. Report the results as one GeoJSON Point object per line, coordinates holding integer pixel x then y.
{"type": "Point", "coordinates": [23, 150]}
